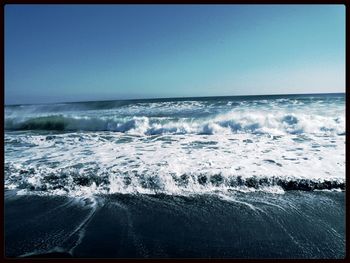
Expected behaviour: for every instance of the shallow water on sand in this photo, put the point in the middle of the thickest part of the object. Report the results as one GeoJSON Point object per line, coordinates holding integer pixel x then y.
{"type": "Point", "coordinates": [250, 225]}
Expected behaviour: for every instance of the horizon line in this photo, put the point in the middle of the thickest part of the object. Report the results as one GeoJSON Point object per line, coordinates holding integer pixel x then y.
{"type": "Point", "coordinates": [169, 98]}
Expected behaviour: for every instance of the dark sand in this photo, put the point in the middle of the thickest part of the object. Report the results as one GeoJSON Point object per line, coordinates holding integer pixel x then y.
{"type": "Point", "coordinates": [252, 225]}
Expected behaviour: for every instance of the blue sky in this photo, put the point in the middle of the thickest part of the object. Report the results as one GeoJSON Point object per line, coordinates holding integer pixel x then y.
{"type": "Point", "coordinates": [56, 53]}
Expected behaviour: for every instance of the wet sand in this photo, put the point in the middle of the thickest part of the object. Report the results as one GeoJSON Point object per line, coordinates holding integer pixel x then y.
{"type": "Point", "coordinates": [296, 224]}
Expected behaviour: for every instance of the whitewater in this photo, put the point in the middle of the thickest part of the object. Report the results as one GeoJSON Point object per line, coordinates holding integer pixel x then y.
{"type": "Point", "coordinates": [185, 146]}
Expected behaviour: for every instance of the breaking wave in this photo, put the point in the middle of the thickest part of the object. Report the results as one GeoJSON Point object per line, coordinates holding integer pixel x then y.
{"type": "Point", "coordinates": [73, 182]}
{"type": "Point", "coordinates": [271, 144]}
{"type": "Point", "coordinates": [231, 122]}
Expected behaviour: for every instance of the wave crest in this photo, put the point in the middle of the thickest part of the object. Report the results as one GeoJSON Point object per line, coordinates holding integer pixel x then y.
{"type": "Point", "coordinates": [232, 122]}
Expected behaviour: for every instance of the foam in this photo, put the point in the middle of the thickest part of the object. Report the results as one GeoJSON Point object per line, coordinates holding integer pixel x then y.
{"type": "Point", "coordinates": [176, 147]}
{"type": "Point", "coordinates": [256, 122]}
{"type": "Point", "coordinates": [84, 164]}
{"type": "Point", "coordinates": [275, 116]}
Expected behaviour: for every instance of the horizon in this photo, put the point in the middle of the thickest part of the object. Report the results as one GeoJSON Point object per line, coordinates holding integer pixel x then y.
{"type": "Point", "coordinates": [179, 98]}
{"type": "Point", "coordinates": [55, 53]}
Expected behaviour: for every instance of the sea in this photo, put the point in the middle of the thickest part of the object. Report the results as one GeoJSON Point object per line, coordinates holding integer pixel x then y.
{"type": "Point", "coordinates": [203, 177]}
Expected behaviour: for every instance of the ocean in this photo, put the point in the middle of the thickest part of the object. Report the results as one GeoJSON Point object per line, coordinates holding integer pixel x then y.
{"type": "Point", "coordinates": [207, 177]}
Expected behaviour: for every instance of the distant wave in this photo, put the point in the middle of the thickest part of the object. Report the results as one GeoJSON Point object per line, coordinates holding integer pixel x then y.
{"type": "Point", "coordinates": [214, 101]}
{"type": "Point", "coordinates": [234, 122]}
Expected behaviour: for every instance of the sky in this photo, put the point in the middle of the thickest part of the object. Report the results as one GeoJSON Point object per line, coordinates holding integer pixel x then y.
{"type": "Point", "coordinates": [58, 53]}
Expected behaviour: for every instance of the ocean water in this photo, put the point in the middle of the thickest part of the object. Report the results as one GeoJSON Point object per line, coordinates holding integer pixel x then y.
{"type": "Point", "coordinates": [179, 146]}
{"type": "Point", "coordinates": [246, 155]}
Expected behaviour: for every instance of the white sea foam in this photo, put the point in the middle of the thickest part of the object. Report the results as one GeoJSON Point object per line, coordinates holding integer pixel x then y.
{"type": "Point", "coordinates": [175, 147]}
{"type": "Point", "coordinates": [251, 121]}
{"type": "Point", "coordinates": [87, 164]}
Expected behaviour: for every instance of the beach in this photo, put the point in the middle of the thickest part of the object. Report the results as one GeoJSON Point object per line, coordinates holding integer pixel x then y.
{"type": "Point", "coordinates": [222, 177]}
{"type": "Point", "coordinates": [255, 225]}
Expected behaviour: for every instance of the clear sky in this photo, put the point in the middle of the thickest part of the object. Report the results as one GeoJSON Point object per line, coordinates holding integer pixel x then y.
{"type": "Point", "coordinates": [56, 53]}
